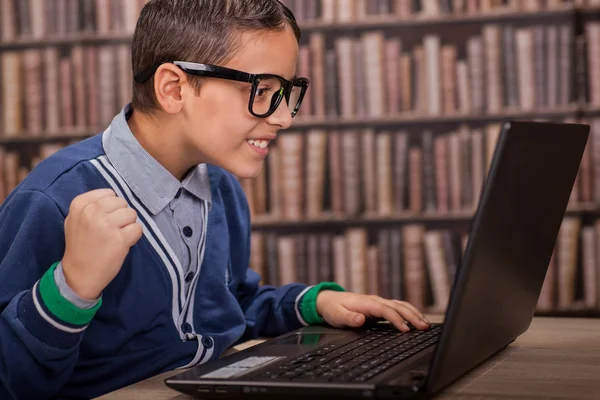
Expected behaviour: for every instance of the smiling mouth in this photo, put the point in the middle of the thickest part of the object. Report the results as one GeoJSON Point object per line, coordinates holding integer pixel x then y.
{"type": "Point", "coordinates": [261, 144]}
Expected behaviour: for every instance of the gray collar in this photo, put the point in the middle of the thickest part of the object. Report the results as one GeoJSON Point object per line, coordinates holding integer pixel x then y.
{"type": "Point", "coordinates": [147, 178]}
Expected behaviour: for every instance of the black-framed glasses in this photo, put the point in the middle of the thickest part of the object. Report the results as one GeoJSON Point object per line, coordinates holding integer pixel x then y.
{"type": "Point", "coordinates": [267, 89]}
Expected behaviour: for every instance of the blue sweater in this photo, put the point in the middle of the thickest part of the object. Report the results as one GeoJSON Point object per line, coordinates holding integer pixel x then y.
{"type": "Point", "coordinates": [50, 349]}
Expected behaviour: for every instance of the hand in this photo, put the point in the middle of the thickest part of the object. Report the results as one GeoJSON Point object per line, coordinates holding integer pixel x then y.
{"type": "Point", "coordinates": [99, 231]}
{"type": "Point", "coordinates": [341, 309]}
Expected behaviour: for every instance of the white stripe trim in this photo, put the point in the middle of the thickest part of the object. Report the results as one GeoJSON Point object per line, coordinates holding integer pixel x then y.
{"type": "Point", "coordinates": [170, 269]}
{"type": "Point", "coordinates": [208, 355]}
{"type": "Point", "coordinates": [198, 355]}
{"type": "Point", "coordinates": [191, 298]}
{"type": "Point", "coordinates": [297, 305]}
{"type": "Point", "coordinates": [49, 319]}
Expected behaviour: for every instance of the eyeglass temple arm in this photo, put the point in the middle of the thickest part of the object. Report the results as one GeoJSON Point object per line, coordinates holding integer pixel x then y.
{"type": "Point", "coordinates": [146, 74]}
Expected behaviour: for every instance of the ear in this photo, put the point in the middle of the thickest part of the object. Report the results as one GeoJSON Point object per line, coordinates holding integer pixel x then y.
{"type": "Point", "coordinates": [168, 82]}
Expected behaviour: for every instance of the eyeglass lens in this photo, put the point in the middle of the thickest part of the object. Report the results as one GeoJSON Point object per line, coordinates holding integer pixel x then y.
{"type": "Point", "coordinates": [267, 92]}
{"type": "Point", "coordinates": [267, 96]}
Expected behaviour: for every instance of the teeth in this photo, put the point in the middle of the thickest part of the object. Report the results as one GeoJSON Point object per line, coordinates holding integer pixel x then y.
{"type": "Point", "coordinates": [259, 143]}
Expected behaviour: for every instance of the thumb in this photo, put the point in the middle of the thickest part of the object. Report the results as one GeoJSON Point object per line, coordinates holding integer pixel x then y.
{"type": "Point", "coordinates": [351, 318]}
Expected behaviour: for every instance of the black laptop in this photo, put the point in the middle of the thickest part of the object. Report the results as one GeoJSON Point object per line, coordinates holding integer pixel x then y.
{"type": "Point", "coordinates": [493, 299]}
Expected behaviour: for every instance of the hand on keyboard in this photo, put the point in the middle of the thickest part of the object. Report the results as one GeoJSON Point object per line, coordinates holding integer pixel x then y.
{"type": "Point", "coordinates": [343, 309]}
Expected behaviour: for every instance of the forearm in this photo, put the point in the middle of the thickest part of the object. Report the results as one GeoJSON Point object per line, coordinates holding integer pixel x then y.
{"type": "Point", "coordinates": [272, 311]}
{"type": "Point", "coordinates": [40, 334]}
{"type": "Point", "coordinates": [269, 310]}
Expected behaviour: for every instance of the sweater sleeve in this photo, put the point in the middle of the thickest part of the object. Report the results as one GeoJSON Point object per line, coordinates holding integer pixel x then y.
{"type": "Point", "coordinates": [40, 331]}
{"type": "Point", "coordinates": [270, 310]}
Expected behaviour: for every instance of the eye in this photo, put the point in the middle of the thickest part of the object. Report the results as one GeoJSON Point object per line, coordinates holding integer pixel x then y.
{"type": "Point", "coordinates": [262, 91]}
{"type": "Point", "coordinates": [266, 88]}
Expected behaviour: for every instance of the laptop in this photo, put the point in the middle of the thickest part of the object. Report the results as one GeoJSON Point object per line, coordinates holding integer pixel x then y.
{"type": "Point", "coordinates": [492, 302]}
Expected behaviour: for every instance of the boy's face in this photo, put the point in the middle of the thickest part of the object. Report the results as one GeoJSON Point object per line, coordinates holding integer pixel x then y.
{"type": "Point", "coordinates": [217, 125]}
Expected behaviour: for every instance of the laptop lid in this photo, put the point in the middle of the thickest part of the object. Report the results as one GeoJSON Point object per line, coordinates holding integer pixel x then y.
{"type": "Point", "coordinates": [512, 237]}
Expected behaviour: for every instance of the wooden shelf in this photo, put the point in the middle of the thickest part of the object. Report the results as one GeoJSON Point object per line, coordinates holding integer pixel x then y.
{"type": "Point", "coordinates": [585, 313]}
{"type": "Point", "coordinates": [420, 20]}
{"type": "Point", "coordinates": [422, 119]}
{"type": "Point", "coordinates": [267, 222]}
{"type": "Point", "coordinates": [578, 311]}
{"type": "Point", "coordinates": [589, 110]}
{"type": "Point", "coordinates": [309, 122]}
{"type": "Point", "coordinates": [589, 10]}
{"type": "Point", "coordinates": [62, 136]}
{"type": "Point", "coordinates": [583, 208]}
{"type": "Point", "coordinates": [81, 38]}
{"type": "Point", "coordinates": [336, 221]}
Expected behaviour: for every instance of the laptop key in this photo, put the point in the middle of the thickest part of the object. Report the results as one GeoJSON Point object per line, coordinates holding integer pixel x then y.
{"type": "Point", "coordinates": [303, 360]}
{"type": "Point", "coordinates": [340, 370]}
{"type": "Point", "coordinates": [364, 357]}
{"type": "Point", "coordinates": [347, 377]}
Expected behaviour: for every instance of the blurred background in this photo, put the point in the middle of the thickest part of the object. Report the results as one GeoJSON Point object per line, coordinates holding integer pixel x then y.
{"type": "Point", "coordinates": [375, 184]}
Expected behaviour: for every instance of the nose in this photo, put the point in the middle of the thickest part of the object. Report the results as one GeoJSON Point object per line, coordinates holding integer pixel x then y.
{"type": "Point", "coordinates": [282, 116]}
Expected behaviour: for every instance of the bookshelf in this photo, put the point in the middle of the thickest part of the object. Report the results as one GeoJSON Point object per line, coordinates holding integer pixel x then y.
{"type": "Point", "coordinates": [326, 220]}
{"type": "Point", "coordinates": [375, 184]}
{"type": "Point", "coordinates": [72, 39]}
{"type": "Point", "coordinates": [410, 119]}
{"type": "Point", "coordinates": [60, 136]}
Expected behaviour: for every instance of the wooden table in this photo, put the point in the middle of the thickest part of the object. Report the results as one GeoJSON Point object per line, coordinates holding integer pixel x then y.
{"type": "Point", "coordinates": [557, 358]}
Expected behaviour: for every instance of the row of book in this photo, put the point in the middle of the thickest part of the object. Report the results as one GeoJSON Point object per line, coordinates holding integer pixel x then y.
{"type": "Point", "coordinates": [419, 264]}
{"type": "Point", "coordinates": [16, 165]}
{"type": "Point", "coordinates": [592, 60]}
{"type": "Point", "coordinates": [49, 91]}
{"type": "Point", "coordinates": [390, 262]}
{"type": "Point", "coordinates": [573, 278]}
{"type": "Point", "coordinates": [368, 172]}
{"type": "Point", "coordinates": [38, 19]}
{"type": "Point", "coordinates": [331, 11]}
{"type": "Point", "coordinates": [376, 73]}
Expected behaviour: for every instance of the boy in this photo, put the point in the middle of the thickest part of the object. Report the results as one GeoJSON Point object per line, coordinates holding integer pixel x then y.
{"type": "Point", "coordinates": [126, 255]}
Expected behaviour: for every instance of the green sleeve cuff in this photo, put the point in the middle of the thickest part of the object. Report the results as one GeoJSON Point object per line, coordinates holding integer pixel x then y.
{"type": "Point", "coordinates": [60, 307]}
{"type": "Point", "coordinates": [308, 303]}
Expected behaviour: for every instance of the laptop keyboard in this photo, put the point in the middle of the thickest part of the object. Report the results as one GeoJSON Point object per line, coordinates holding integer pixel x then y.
{"type": "Point", "coordinates": [378, 350]}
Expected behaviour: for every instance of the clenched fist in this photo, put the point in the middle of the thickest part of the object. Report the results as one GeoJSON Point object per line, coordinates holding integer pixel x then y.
{"type": "Point", "coordinates": [99, 231]}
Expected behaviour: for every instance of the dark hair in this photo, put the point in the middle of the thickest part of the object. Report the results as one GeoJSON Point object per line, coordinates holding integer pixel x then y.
{"type": "Point", "coordinates": [206, 31]}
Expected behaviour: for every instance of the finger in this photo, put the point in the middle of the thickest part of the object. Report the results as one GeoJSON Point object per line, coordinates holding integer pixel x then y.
{"type": "Point", "coordinates": [132, 233]}
{"type": "Point", "coordinates": [349, 318]}
{"type": "Point", "coordinates": [409, 315]}
{"type": "Point", "coordinates": [110, 204]}
{"type": "Point", "coordinates": [92, 196]}
{"type": "Point", "coordinates": [401, 306]}
{"type": "Point", "coordinates": [411, 307]}
{"type": "Point", "coordinates": [374, 308]}
{"type": "Point", "coordinates": [122, 217]}
{"type": "Point", "coordinates": [395, 318]}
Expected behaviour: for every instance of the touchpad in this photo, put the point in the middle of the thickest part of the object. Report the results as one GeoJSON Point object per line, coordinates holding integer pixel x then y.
{"type": "Point", "coordinates": [306, 338]}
